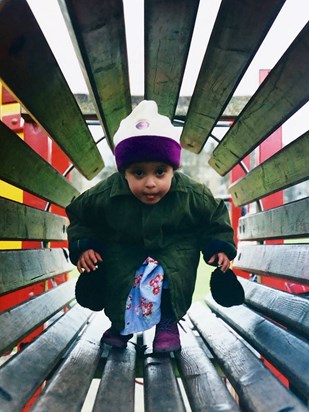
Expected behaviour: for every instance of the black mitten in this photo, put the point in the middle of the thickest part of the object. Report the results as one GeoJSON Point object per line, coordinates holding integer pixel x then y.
{"type": "Point", "coordinates": [89, 290]}
{"type": "Point", "coordinates": [226, 289]}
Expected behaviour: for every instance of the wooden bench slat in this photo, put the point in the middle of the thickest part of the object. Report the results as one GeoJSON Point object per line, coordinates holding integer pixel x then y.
{"type": "Point", "coordinates": [204, 387]}
{"type": "Point", "coordinates": [117, 387]}
{"type": "Point", "coordinates": [287, 221]}
{"type": "Point", "coordinates": [168, 30]}
{"type": "Point", "coordinates": [23, 167]}
{"type": "Point", "coordinates": [282, 93]}
{"type": "Point", "coordinates": [253, 382]}
{"type": "Point", "coordinates": [286, 168]}
{"type": "Point", "coordinates": [282, 349]}
{"type": "Point", "coordinates": [20, 268]}
{"type": "Point", "coordinates": [24, 373]}
{"type": "Point", "coordinates": [100, 44]}
{"type": "Point", "coordinates": [77, 371]}
{"type": "Point", "coordinates": [18, 322]}
{"type": "Point", "coordinates": [287, 261]}
{"type": "Point", "coordinates": [289, 310]}
{"type": "Point", "coordinates": [24, 222]}
{"type": "Point", "coordinates": [30, 70]}
{"type": "Point", "coordinates": [238, 32]}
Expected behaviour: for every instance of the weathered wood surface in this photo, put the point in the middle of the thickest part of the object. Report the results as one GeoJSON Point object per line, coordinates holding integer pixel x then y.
{"type": "Point", "coordinates": [67, 389]}
{"type": "Point", "coordinates": [239, 30]}
{"type": "Point", "coordinates": [168, 31]}
{"type": "Point", "coordinates": [30, 70]}
{"type": "Point", "coordinates": [18, 322]}
{"type": "Point", "coordinates": [287, 261]}
{"type": "Point", "coordinates": [253, 382]}
{"type": "Point", "coordinates": [19, 221]}
{"type": "Point", "coordinates": [287, 309]}
{"type": "Point", "coordinates": [283, 92]}
{"type": "Point", "coordinates": [117, 387]}
{"type": "Point", "coordinates": [19, 268]}
{"type": "Point", "coordinates": [100, 44]}
{"type": "Point", "coordinates": [24, 373]}
{"type": "Point", "coordinates": [204, 387]}
{"type": "Point", "coordinates": [23, 167]}
{"type": "Point", "coordinates": [286, 168]}
{"type": "Point", "coordinates": [271, 341]}
{"type": "Point", "coordinates": [288, 221]}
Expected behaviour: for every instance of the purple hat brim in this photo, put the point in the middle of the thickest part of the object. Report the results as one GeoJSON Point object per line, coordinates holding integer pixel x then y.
{"type": "Point", "coordinates": [138, 149]}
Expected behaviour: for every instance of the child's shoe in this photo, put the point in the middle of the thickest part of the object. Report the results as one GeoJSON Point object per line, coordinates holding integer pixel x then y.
{"type": "Point", "coordinates": [166, 337]}
{"type": "Point", "coordinates": [112, 337]}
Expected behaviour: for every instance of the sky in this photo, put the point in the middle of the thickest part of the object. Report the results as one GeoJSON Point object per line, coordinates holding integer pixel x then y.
{"type": "Point", "coordinates": [291, 19]}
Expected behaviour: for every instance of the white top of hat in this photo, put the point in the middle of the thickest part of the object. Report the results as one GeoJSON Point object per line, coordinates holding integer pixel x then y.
{"type": "Point", "coordinates": [145, 120]}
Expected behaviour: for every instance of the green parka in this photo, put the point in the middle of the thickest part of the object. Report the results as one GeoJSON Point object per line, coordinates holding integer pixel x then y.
{"type": "Point", "coordinates": [187, 221]}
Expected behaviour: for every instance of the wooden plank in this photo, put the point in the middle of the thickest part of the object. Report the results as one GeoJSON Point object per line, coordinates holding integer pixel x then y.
{"type": "Point", "coordinates": [20, 222]}
{"type": "Point", "coordinates": [256, 386]}
{"type": "Point", "coordinates": [239, 30]}
{"type": "Point", "coordinates": [288, 261]}
{"type": "Point", "coordinates": [18, 322]}
{"type": "Point", "coordinates": [168, 31]}
{"type": "Point", "coordinates": [24, 373]}
{"type": "Point", "coordinates": [117, 386]}
{"type": "Point", "coordinates": [284, 169]}
{"type": "Point", "coordinates": [282, 93]}
{"type": "Point", "coordinates": [289, 310]}
{"type": "Point", "coordinates": [204, 387]}
{"type": "Point", "coordinates": [100, 44]}
{"type": "Point", "coordinates": [77, 371]}
{"type": "Point", "coordinates": [19, 268]}
{"type": "Point", "coordinates": [29, 69]}
{"type": "Point", "coordinates": [23, 167]}
{"type": "Point", "coordinates": [288, 221]}
{"type": "Point", "coordinates": [271, 341]}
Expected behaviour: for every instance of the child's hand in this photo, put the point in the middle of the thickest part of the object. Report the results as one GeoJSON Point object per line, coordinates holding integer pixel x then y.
{"type": "Point", "coordinates": [88, 260]}
{"type": "Point", "coordinates": [223, 261]}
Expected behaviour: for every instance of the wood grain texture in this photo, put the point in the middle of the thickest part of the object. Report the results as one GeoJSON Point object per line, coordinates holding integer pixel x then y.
{"type": "Point", "coordinates": [284, 169]}
{"type": "Point", "coordinates": [289, 310]}
{"type": "Point", "coordinates": [20, 222]}
{"type": "Point", "coordinates": [287, 261]}
{"type": "Point", "coordinates": [253, 382]}
{"type": "Point", "coordinates": [30, 71]}
{"type": "Point", "coordinates": [287, 352]}
{"type": "Point", "coordinates": [287, 221]}
{"type": "Point", "coordinates": [168, 31]}
{"type": "Point", "coordinates": [19, 268]}
{"type": "Point", "coordinates": [24, 373]}
{"type": "Point", "coordinates": [239, 29]}
{"type": "Point", "coordinates": [21, 166]}
{"type": "Point", "coordinates": [97, 30]}
{"type": "Point", "coordinates": [18, 322]}
{"type": "Point", "coordinates": [281, 94]}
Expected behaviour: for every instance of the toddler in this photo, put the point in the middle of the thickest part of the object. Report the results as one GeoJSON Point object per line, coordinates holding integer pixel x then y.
{"type": "Point", "coordinates": [136, 237]}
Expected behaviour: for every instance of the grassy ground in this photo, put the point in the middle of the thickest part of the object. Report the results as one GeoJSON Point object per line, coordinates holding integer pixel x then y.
{"type": "Point", "coordinates": [202, 282]}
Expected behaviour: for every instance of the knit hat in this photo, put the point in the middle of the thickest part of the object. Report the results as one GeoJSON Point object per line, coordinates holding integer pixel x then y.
{"type": "Point", "coordinates": [146, 136]}
{"type": "Point", "coordinates": [226, 288]}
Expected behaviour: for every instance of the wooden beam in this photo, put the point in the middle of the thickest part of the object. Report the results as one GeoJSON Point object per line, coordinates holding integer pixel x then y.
{"type": "Point", "coordinates": [20, 222]}
{"type": "Point", "coordinates": [254, 383]}
{"type": "Point", "coordinates": [23, 167]}
{"type": "Point", "coordinates": [283, 92]}
{"type": "Point", "coordinates": [286, 221]}
{"type": "Point", "coordinates": [30, 71]}
{"type": "Point", "coordinates": [239, 30]}
{"type": "Point", "coordinates": [168, 31]}
{"type": "Point", "coordinates": [100, 44]}
{"type": "Point", "coordinates": [287, 261]}
{"type": "Point", "coordinates": [286, 168]}
{"type": "Point", "coordinates": [19, 268]}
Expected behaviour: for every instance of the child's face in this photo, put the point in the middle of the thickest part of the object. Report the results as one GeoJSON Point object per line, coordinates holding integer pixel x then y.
{"type": "Point", "coordinates": [149, 181]}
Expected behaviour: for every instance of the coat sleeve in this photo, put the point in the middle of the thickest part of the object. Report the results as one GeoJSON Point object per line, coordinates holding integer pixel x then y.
{"type": "Point", "coordinates": [217, 233]}
{"type": "Point", "coordinates": [81, 235]}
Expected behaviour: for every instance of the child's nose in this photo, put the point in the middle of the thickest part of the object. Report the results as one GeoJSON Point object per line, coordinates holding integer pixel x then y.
{"type": "Point", "coordinates": [150, 182]}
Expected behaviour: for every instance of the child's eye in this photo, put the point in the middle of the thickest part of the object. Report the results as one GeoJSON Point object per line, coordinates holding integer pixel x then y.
{"type": "Point", "coordinates": [160, 171]}
{"type": "Point", "coordinates": [138, 172]}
